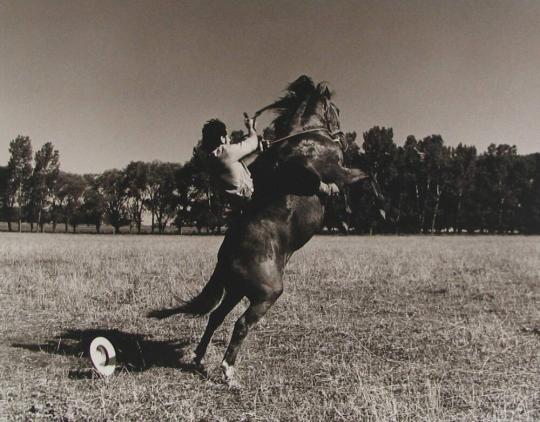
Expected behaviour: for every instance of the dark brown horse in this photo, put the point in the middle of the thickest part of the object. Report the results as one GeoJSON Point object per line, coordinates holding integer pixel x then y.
{"type": "Point", "coordinates": [285, 213]}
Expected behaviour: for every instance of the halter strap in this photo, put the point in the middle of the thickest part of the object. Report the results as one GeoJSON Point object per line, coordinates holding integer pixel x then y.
{"type": "Point", "coordinates": [303, 132]}
{"type": "Point", "coordinates": [331, 136]}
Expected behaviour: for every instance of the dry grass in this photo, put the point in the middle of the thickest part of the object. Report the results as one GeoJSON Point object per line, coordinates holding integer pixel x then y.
{"type": "Point", "coordinates": [382, 328]}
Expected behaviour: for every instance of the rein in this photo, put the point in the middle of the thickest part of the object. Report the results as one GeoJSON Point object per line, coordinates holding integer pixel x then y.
{"type": "Point", "coordinates": [303, 132]}
{"type": "Point", "coordinates": [331, 135]}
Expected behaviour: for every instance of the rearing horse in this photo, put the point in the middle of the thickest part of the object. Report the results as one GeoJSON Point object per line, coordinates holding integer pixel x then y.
{"type": "Point", "coordinates": [284, 214]}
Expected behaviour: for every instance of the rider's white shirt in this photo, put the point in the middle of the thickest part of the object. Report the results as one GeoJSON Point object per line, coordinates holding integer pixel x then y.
{"type": "Point", "coordinates": [236, 178]}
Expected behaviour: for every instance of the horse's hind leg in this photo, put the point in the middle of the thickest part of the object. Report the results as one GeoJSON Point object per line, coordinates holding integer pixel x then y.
{"type": "Point", "coordinates": [253, 314]}
{"type": "Point", "coordinates": [217, 316]}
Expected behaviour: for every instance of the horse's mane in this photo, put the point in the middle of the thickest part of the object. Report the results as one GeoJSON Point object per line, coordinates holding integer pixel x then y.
{"type": "Point", "coordinates": [300, 93]}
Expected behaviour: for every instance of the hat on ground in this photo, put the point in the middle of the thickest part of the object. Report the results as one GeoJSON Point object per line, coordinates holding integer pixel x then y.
{"type": "Point", "coordinates": [103, 356]}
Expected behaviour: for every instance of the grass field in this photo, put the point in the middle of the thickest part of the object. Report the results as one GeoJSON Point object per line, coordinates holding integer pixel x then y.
{"type": "Point", "coordinates": [369, 328]}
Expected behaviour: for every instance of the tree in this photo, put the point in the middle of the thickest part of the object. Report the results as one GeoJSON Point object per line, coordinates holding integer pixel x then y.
{"type": "Point", "coordinates": [93, 207]}
{"type": "Point", "coordinates": [495, 182]}
{"type": "Point", "coordinates": [114, 190]}
{"type": "Point", "coordinates": [520, 182]}
{"type": "Point", "coordinates": [378, 160]}
{"type": "Point", "coordinates": [151, 202]}
{"type": "Point", "coordinates": [42, 183]}
{"type": "Point", "coordinates": [70, 190]}
{"type": "Point", "coordinates": [530, 213]}
{"type": "Point", "coordinates": [163, 198]}
{"type": "Point", "coordinates": [19, 173]}
{"type": "Point", "coordinates": [185, 195]}
{"type": "Point", "coordinates": [208, 207]}
{"type": "Point", "coordinates": [462, 170]}
{"type": "Point", "coordinates": [138, 190]}
{"type": "Point", "coordinates": [409, 165]}
{"type": "Point", "coordinates": [4, 176]}
{"type": "Point", "coordinates": [435, 179]}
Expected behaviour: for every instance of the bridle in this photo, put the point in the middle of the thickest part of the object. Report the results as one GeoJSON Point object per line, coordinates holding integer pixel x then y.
{"type": "Point", "coordinates": [329, 134]}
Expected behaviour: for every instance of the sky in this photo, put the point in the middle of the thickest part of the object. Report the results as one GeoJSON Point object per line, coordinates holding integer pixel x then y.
{"type": "Point", "coordinates": [109, 82]}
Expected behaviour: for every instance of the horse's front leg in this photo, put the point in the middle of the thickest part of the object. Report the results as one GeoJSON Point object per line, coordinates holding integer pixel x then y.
{"type": "Point", "coordinates": [339, 177]}
{"type": "Point", "coordinates": [343, 176]}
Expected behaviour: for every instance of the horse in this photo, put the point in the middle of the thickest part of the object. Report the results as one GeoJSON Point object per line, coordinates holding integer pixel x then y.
{"type": "Point", "coordinates": [285, 212]}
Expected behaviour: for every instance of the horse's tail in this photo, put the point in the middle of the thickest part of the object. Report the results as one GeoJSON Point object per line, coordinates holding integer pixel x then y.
{"type": "Point", "coordinates": [200, 305]}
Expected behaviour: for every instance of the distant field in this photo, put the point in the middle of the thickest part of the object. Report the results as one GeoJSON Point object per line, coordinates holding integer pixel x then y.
{"type": "Point", "coordinates": [369, 328]}
{"type": "Point", "coordinates": [86, 229]}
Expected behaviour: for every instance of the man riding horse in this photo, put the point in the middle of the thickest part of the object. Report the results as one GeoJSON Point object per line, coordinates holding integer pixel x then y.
{"type": "Point", "coordinates": [228, 163]}
{"type": "Point", "coordinates": [285, 212]}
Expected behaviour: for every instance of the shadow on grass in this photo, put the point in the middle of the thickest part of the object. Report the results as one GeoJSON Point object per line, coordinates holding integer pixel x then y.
{"type": "Point", "coordinates": [135, 352]}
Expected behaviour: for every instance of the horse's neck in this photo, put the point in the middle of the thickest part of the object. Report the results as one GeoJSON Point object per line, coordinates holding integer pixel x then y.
{"type": "Point", "coordinates": [300, 125]}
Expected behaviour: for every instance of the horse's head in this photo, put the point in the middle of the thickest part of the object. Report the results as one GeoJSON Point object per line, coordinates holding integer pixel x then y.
{"type": "Point", "coordinates": [318, 111]}
{"type": "Point", "coordinates": [306, 107]}
{"type": "Point", "coordinates": [309, 121]}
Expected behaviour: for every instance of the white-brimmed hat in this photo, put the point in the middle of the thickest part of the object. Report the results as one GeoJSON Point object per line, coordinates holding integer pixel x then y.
{"type": "Point", "coordinates": [103, 356]}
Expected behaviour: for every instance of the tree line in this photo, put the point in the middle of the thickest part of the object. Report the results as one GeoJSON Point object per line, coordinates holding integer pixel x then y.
{"type": "Point", "coordinates": [422, 186]}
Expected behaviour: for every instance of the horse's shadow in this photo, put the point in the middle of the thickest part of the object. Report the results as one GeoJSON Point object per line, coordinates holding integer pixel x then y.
{"type": "Point", "coordinates": [135, 352]}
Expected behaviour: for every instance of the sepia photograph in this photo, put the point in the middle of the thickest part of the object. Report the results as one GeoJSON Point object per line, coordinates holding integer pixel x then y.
{"type": "Point", "coordinates": [269, 210]}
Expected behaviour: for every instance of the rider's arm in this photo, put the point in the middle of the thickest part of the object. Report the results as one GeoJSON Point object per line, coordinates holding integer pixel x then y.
{"type": "Point", "coordinates": [236, 152]}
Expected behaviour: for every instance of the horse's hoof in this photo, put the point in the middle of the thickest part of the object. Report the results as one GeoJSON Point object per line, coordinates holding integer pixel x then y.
{"type": "Point", "coordinates": [201, 370]}
{"type": "Point", "coordinates": [187, 357]}
{"type": "Point", "coordinates": [198, 368]}
{"type": "Point", "coordinates": [196, 363]}
{"type": "Point", "coordinates": [234, 384]}
{"type": "Point", "coordinates": [229, 377]}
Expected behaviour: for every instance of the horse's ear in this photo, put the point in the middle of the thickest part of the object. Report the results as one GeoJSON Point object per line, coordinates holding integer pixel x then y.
{"type": "Point", "coordinates": [301, 86]}
{"type": "Point", "coordinates": [324, 90]}
{"type": "Point", "coordinates": [303, 80]}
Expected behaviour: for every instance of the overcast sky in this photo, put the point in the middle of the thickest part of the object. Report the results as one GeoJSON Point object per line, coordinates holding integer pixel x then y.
{"type": "Point", "coordinates": [113, 81]}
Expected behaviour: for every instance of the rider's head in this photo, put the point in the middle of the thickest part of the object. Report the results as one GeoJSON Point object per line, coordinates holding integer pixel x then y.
{"type": "Point", "coordinates": [214, 133]}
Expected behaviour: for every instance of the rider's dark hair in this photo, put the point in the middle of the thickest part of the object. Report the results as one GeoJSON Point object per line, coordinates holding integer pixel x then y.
{"type": "Point", "coordinates": [212, 132]}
